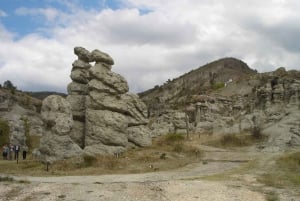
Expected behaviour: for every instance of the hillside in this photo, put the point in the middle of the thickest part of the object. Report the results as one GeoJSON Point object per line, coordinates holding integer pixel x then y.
{"type": "Point", "coordinates": [203, 80]}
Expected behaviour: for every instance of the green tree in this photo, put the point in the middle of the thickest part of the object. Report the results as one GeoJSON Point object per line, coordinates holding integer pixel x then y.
{"type": "Point", "coordinates": [9, 85]}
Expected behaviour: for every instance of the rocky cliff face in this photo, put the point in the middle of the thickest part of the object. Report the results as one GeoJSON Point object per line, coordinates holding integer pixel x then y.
{"type": "Point", "coordinates": [269, 102]}
{"type": "Point", "coordinates": [22, 114]}
{"type": "Point", "coordinates": [103, 118]}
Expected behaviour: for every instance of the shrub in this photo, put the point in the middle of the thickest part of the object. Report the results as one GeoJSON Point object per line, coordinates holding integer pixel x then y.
{"type": "Point", "coordinates": [256, 132]}
{"type": "Point", "coordinates": [89, 160]}
{"type": "Point", "coordinates": [233, 140]}
{"type": "Point", "coordinates": [218, 85]}
{"type": "Point", "coordinates": [174, 137]}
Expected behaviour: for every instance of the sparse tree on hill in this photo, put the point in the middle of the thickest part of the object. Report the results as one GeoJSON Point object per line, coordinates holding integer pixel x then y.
{"type": "Point", "coordinates": [9, 85]}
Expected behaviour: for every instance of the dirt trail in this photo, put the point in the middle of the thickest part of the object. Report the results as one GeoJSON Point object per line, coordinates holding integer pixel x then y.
{"type": "Point", "coordinates": [182, 184]}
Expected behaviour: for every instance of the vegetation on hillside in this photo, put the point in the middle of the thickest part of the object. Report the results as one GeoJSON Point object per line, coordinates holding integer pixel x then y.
{"type": "Point", "coordinates": [286, 172]}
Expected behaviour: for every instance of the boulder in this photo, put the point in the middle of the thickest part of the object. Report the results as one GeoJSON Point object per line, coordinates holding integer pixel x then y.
{"type": "Point", "coordinates": [75, 88]}
{"type": "Point", "coordinates": [57, 114]}
{"type": "Point", "coordinates": [109, 78]}
{"type": "Point", "coordinates": [139, 135]}
{"type": "Point", "coordinates": [83, 54]}
{"type": "Point", "coordinates": [57, 144]}
{"type": "Point", "coordinates": [101, 57]}
{"type": "Point", "coordinates": [79, 64]}
{"type": "Point", "coordinates": [80, 75]}
{"type": "Point", "coordinates": [56, 147]}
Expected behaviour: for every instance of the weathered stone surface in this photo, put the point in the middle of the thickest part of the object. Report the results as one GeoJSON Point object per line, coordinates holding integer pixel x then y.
{"type": "Point", "coordinates": [79, 64]}
{"type": "Point", "coordinates": [57, 144]}
{"type": "Point", "coordinates": [75, 88]}
{"type": "Point", "coordinates": [83, 54]}
{"type": "Point", "coordinates": [77, 103]}
{"type": "Point", "coordinates": [125, 104]}
{"type": "Point", "coordinates": [57, 114]}
{"type": "Point", "coordinates": [95, 85]}
{"type": "Point", "coordinates": [109, 78]}
{"type": "Point", "coordinates": [99, 57]}
{"type": "Point", "coordinates": [55, 147]}
{"type": "Point", "coordinates": [80, 76]}
{"type": "Point", "coordinates": [98, 115]}
{"type": "Point", "coordinates": [106, 127]}
{"type": "Point", "coordinates": [139, 135]}
{"type": "Point", "coordinates": [77, 133]}
{"type": "Point", "coordinates": [103, 149]}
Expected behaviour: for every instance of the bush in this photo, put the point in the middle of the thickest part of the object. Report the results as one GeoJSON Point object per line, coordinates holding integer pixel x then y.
{"type": "Point", "coordinates": [174, 137]}
{"type": "Point", "coordinates": [256, 132]}
{"type": "Point", "coordinates": [218, 85]}
{"type": "Point", "coordinates": [89, 160]}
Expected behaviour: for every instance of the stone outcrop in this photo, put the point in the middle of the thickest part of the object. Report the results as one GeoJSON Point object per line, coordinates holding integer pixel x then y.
{"type": "Point", "coordinates": [56, 143]}
{"type": "Point", "coordinates": [99, 115]}
{"type": "Point", "coordinates": [269, 102]}
{"type": "Point", "coordinates": [114, 118]}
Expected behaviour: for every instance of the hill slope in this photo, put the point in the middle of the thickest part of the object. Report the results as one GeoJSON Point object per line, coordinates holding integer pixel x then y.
{"type": "Point", "coordinates": [204, 80]}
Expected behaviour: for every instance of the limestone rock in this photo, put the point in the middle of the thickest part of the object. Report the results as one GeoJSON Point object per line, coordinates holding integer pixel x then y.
{"type": "Point", "coordinates": [109, 78]}
{"type": "Point", "coordinates": [83, 54]}
{"type": "Point", "coordinates": [77, 103]}
{"type": "Point", "coordinates": [80, 76]}
{"type": "Point", "coordinates": [100, 57]}
{"type": "Point", "coordinates": [77, 133]}
{"type": "Point", "coordinates": [57, 114]}
{"type": "Point", "coordinates": [55, 147]}
{"type": "Point", "coordinates": [75, 88]}
{"type": "Point", "coordinates": [106, 127]}
{"type": "Point", "coordinates": [79, 64]}
{"type": "Point", "coordinates": [57, 144]}
{"type": "Point", "coordinates": [139, 135]}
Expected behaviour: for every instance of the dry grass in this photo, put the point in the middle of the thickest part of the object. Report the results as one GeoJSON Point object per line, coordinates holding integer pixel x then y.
{"type": "Point", "coordinates": [286, 172]}
{"type": "Point", "coordinates": [236, 140]}
{"type": "Point", "coordinates": [167, 152]}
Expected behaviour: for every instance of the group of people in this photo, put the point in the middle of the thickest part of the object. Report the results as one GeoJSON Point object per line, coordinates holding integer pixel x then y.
{"type": "Point", "coordinates": [10, 152]}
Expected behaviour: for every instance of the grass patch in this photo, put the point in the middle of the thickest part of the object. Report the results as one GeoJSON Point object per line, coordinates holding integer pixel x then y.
{"type": "Point", "coordinates": [235, 140]}
{"type": "Point", "coordinates": [272, 196]}
{"type": "Point", "coordinates": [173, 137]}
{"type": "Point", "coordinates": [286, 172]}
{"type": "Point", "coordinates": [167, 152]}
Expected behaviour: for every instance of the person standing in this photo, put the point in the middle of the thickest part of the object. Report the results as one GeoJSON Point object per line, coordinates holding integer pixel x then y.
{"type": "Point", "coordinates": [25, 149]}
{"type": "Point", "coordinates": [17, 149]}
{"type": "Point", "coordinates": [4, 152]}
{"type": "Point", "coordinates": [11, 152]}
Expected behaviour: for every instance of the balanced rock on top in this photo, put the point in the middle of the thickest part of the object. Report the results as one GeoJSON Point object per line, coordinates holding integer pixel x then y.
{"type": "Point", "coordinates": [99, 115]}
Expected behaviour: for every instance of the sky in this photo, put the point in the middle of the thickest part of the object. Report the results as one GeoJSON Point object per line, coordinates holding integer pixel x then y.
{"type": "Point", "coordinates": [150, 41]}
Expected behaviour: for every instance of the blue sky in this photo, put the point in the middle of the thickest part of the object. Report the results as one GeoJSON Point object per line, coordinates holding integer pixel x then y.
{"type": "Point", "coordinates": [16, 21]}
{"type": "Point", "coordinates": [150, 41]}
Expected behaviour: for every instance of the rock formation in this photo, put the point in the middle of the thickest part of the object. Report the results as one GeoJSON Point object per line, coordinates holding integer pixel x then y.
{"type": "Point", "coordinates": [269, 102]}
{"type": "Point", "coordinates": [99, 115]}
{"type": "Point", "coordinates": [56, 143]}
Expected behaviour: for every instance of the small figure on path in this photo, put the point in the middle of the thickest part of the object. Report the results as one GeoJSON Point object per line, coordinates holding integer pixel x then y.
{"type": "Point", "coordinates": [17, 149]}
{"type": "Point", "coordinates": [25, 149]}
{"type": "Point", "coordinates": [4, 151]}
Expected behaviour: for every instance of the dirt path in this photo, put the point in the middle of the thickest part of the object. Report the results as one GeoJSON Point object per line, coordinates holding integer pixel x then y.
{"type": "Point", "coordinates": [184, 184]}
{"type": "Point", "coordinates": [180, 184]}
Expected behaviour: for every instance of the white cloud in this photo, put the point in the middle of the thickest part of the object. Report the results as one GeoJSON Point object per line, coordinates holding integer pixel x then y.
{"type": "Point", "coordinates": [49, 13]}
{"type": "Point", "coordinates": [151, 47]}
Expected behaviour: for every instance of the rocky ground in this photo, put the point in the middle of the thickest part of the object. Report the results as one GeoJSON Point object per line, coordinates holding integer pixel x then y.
{"type": "Point", "coordinates": [221, 175]}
